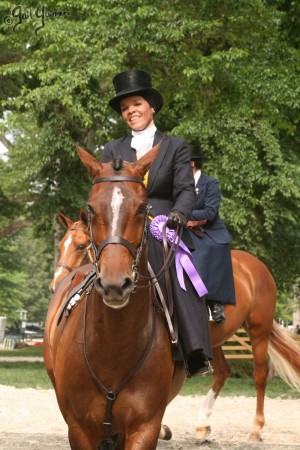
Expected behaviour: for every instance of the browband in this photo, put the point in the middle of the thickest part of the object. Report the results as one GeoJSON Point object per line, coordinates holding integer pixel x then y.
{"type": "Point", "coordinates": [118, 178]}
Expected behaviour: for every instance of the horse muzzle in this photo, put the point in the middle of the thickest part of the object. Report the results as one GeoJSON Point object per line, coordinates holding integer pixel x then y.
{"type": "Point", "coordinates": [115, 295]}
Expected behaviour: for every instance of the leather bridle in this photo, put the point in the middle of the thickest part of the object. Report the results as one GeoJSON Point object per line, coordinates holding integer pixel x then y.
{"type": "Point", "coordinates": [136, 254]}
{"type": "Point", "coordinates": [86, 254]}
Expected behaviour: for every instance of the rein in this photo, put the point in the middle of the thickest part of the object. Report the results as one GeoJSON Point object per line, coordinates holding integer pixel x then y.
{"type": "Point", "coordinates": [112, 394]}
{"type": "Point", "coordinates": [169, 255]}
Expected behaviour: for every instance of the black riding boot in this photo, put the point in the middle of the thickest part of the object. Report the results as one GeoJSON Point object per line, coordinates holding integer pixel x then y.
{"type": "Point", "coordinates": [216, 311]}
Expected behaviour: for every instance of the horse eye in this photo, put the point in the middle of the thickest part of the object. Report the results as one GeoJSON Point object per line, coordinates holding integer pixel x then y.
{"type": "Point", "coordinates": [80, 247]}
{"type": "Point", "coordinates": [141, 209]}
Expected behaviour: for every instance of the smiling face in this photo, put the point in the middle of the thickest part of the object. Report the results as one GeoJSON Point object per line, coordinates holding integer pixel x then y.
{"type": "Point", "coordinates": [137, 113]}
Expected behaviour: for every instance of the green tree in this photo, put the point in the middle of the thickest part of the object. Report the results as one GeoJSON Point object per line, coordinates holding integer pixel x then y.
{"type": "Point", "coordinates": [25, 272]}
{"type": "Point", "coordinates": [229, 75]}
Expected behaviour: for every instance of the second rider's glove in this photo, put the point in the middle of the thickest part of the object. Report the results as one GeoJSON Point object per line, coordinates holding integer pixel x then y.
{"type": "Point", "coordinates": [176, 218]}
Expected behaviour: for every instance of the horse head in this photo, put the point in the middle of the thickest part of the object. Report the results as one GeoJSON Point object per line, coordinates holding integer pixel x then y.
{"type": "Point", "coordinates": [118, 211]}
{"type": "Point", "coordinates": [73, 247]}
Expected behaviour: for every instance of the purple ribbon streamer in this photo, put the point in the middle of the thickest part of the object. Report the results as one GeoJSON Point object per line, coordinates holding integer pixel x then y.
{"type": "Point", "coordinates": [182, 257]}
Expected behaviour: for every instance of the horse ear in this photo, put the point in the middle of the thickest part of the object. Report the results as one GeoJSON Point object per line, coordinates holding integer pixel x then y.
{"type": "Point", "coordinates": [67, 223]}
{"type": "Point", "coordinates": [91, 163]}
{"type": "Point", "coordinates": [144, 163]}
{"type": "Point", "coordinates": [83, 216]}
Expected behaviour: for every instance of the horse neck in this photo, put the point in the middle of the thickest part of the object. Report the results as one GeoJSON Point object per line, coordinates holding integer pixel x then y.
{"type": "Point", "coordinates": [131, 325]}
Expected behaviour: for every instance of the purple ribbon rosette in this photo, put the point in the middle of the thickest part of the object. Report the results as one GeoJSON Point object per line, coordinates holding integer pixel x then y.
{"type": "Point", "coordinates": [182, 258]}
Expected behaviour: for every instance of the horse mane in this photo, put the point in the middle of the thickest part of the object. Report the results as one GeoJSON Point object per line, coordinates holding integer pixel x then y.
{"type": "Point", "coordinates": [118, 164]}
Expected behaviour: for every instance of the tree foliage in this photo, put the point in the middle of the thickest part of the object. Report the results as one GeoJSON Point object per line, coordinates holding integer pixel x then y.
{"type": "Point", "coordinates": [24, 276]}
{"type": "Point", "coordinates": [229, 75]}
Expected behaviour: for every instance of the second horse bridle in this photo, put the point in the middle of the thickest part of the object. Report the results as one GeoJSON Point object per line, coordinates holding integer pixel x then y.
{"type": "Point", "coordinates": [86, 254]}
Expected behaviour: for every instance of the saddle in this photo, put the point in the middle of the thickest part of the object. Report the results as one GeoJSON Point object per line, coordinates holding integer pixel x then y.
{"type": "Point", "coordinates": [193, 224]}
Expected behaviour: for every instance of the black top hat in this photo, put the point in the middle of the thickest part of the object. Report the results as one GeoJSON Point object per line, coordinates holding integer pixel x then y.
{"type": "Point", "coordinates": [135, 82]}
{"type": "Point", "coordinates": [197, 152]}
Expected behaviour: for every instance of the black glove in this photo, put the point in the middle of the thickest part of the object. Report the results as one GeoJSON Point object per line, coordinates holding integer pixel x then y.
{"type": "Point", "coordinates": [176, 218]}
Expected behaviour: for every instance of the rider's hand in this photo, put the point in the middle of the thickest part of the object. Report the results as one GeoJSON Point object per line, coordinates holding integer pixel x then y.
{"type": "Point", "coordinates": [176, 218]}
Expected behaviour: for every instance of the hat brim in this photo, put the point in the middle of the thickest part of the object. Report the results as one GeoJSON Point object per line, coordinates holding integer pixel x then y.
{"type": "Point", "coordinates": [198, 158]}
{"type": "Point", "coordinates": [150, 93]}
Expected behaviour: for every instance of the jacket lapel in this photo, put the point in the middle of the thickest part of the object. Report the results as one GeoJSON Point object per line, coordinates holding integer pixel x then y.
{"type": "Point", "coordinates": [127, 153]}
{"type": "Point", "coordinates": [200, 185]}
{"type": "Point", "coordinates": [159, 136]}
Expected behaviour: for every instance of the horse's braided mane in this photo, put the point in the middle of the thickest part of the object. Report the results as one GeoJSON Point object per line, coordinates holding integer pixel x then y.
{"type": "Point", "coordinates": [118, 164]}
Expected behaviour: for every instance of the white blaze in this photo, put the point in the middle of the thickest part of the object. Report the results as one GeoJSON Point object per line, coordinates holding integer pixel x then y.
{"type": "Point", "coordinates": [67, 245]}
{"type": "Point", "coordinates": [60, 269]}
{"type": "Point", "coordinates": [116, 202]}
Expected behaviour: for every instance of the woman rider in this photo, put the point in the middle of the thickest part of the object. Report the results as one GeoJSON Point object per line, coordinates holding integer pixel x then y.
{"type": "Point", "coordinates": [170, 190]}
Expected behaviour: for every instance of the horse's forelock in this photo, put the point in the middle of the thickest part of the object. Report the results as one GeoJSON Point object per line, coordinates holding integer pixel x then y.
{"type": "Point", "coordinates": [118, 164]}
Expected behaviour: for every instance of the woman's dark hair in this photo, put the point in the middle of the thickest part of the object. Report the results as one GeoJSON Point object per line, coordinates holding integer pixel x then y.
{"type": "Point", "coordinates": [198, 164]}
{"type": "Point", "coordinates": [149, 99]}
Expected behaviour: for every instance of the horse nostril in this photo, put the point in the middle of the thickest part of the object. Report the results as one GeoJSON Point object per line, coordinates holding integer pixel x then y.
{"type": "Point", "coordinates": [127, 284]}
{"type": "Point", "coordinates": [99, 282]}
{"type": "Point", "coordinates": [114, 289]}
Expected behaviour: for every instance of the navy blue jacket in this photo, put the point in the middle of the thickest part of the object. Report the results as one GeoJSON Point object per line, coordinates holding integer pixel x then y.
{"type": "Point", "coordinates": [212, 255]}
{"type": "Point", "coordinates": [208, 197]}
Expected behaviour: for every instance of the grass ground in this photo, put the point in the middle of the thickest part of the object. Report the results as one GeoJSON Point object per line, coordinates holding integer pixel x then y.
{"type": "Point", "coordinates": [33, 375]}
{"type": "Point", "coordinates": [26, 351]}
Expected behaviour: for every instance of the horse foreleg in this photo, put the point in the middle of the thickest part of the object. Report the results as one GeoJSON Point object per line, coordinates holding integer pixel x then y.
{"type": "Point", "coordinates": [165, 433]}
{"type": "Point", "coordinates": [260, 375]}
{"type": "Point", "coordinates": [144, 439]}
{"type": "Point", "coordinates": [79, 439]}
{"type": "Point", "coordinates": [221, 372]}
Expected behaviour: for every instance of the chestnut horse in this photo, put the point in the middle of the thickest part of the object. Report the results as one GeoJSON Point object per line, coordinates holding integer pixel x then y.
{"type": "Point", "coordinates": [254, 310]}
{"type": "Point", "coordinates": [74, 247]}
{"type": "Point", "coordinates": [255, 298]}
{"type": "Point", "coordinates": [111, 361]}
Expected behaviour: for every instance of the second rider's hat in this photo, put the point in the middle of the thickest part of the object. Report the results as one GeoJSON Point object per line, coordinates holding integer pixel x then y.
{"type": "Point", "coordinates": [135, 82]}
{"type": "Point", "coordinates": [197, 152]}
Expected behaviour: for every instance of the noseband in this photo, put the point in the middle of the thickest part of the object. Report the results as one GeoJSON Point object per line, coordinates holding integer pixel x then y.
{"type": "Point", "coordinates": [136, 254]}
